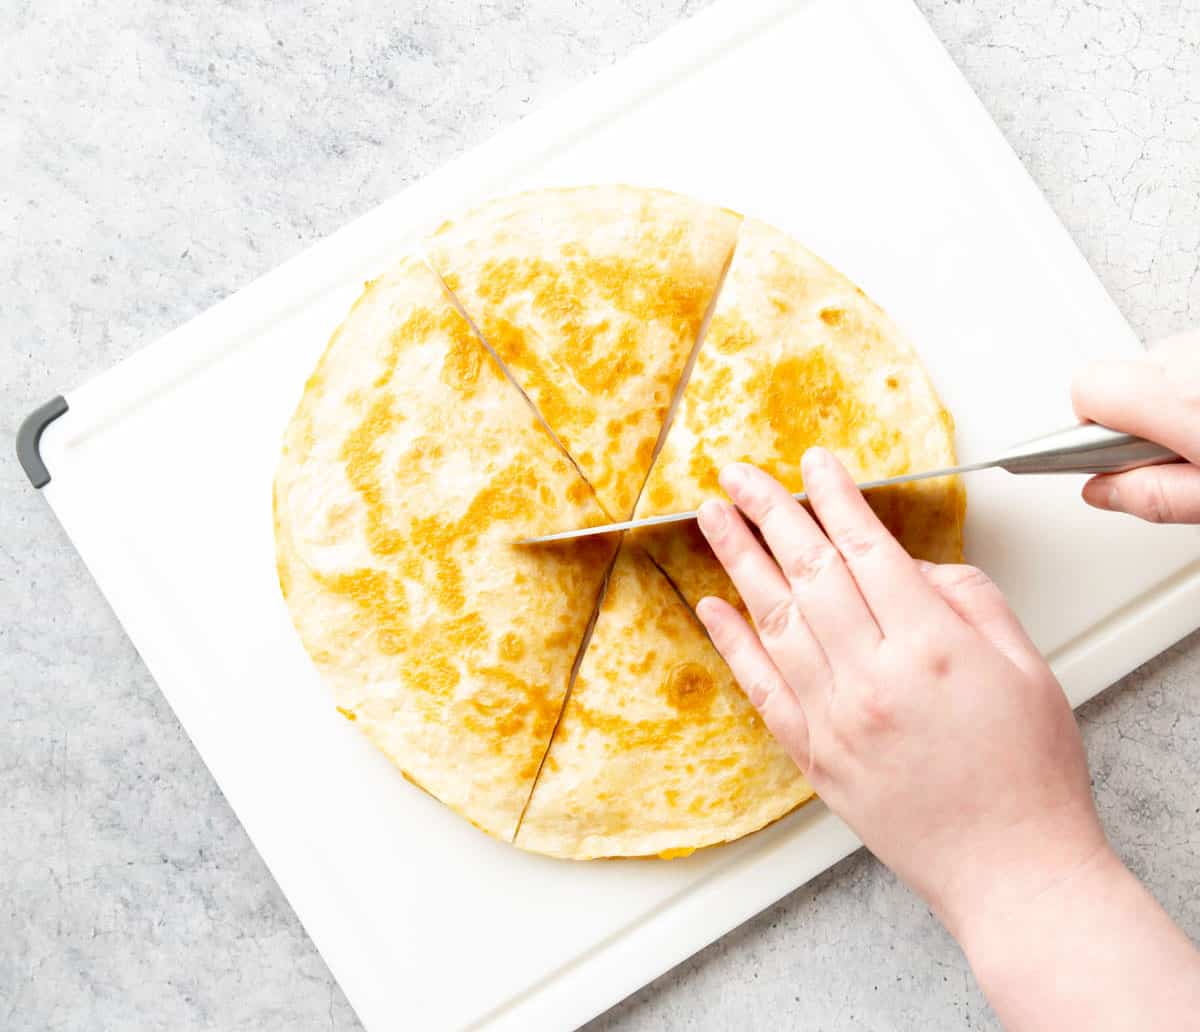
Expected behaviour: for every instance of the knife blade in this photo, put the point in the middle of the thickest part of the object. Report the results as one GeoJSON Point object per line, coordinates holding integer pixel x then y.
{"type": "Point", "coordinates": [683, 517]}
{"type": "Point", "coordinates": [1085, 448]}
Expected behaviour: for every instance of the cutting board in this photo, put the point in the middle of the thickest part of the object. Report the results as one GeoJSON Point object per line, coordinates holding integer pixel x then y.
{"type": "Point", "coordinates": [842, 122]}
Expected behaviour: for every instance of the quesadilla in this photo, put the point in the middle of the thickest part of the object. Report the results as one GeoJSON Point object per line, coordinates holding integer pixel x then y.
{"type": "Point", "coordinates": [657, 751]}
{"type": "Point", "coordinates": [593, 298]}
{"type": "Point", "coordinates": [409, 467]}
{"type": "Point", "coordinates": [565, 697]}
{"type": "Point", "coordinates": [795, 356]}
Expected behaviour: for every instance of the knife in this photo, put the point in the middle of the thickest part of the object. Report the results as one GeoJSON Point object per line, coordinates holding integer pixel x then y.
{"type": "Point", "coordinates": [1084, 448]}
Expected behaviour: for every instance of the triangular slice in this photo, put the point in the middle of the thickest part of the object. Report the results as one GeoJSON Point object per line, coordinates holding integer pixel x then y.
{"type": "Point", "coordinates": [449, 647]}
{"type": "Point", "coordinates": [658, 751]}
{"type": "Point", "coordinates": [593, 298]}
{"type": "Point", "coordinates": [796, 355]}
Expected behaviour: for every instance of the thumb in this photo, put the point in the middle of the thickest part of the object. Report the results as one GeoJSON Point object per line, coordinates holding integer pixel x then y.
{"type": "Point", "coordinates": [1160, 494]}
{"type": "Point", "coordinates": [972, 595]}
{"type": "Point", "coordinates": [1142, 396]}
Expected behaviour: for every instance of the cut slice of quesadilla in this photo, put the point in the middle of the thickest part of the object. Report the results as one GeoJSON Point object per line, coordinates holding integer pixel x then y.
{"type": "Point", "coordinates": [409, 467]}
{"type": "Point", "coordinates": [795, 356]}
{"type": "Point", "coordinates": [657, 751]}
{"type": "Point", "coordinates": [593, 298]}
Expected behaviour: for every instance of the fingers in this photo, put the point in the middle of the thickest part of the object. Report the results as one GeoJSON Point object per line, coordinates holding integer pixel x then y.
{"type": "Point", "coordinates": [765, 686]}
{"type": "Point", "coordinates": [752, 571]}
{"type": "Point", "coordinates": [817, 577]}
{"type": "Point", "coordinates": [972, 595]}
{"type": "Point", "coordinates": [1157, 397]}
{"type": "Point", "coordinates": [886, 575]}
{"type": "Point", "coordinates": [785, 636]}
{"type": "Point", "coordinates": [1160, 494]}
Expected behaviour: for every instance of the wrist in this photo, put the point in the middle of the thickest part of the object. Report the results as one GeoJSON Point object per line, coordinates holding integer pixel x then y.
{"type": "Point", "coordinates": [1091, 949]}
{"type": "Point", "coordinates": [1005, 926]}
{"type": "Point", "coordinates": [1034, 867]}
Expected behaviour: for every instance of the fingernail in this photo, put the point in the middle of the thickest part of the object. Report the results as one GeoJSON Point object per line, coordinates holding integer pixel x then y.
{"type": "Point", "coordinates": [709, 613]}
{"type": "Point", "coordinates": [1103, 495]}
{"type": "Point", "coordinates": [924, 565]}
{"type": "Point", "coordinates": [733, 478]}
{"type": "Point", "coordinates": [815, 459]}
{"type": "Point", "coordinates": [711, 518]}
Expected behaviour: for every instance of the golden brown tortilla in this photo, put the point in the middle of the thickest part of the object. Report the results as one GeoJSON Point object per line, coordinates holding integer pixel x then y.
{"type": "Point", "coordinates": [592, 297]}
{"type": "Point", "coordinates": [658, 750]}
{"type": "Point", "coordinates": [409, 467]}
{"type": "Point", "coordinates": [795, 356]}
{"type": "Point", "coordinates": [412, 463]}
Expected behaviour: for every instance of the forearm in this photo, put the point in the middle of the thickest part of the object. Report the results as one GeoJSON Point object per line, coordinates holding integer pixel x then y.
{"type": "Point", "coordinates": [1094, 952]}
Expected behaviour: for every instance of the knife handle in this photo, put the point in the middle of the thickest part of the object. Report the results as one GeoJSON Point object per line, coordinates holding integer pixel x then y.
{"type": "Point", "coordinates": [1086, 448]}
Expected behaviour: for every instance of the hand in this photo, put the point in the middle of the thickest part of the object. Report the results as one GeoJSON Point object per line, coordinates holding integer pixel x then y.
{"type": "Point", "coordinates": [924, 716]}
{"type": "Point", "coordinates": [909, 695]}
{"type": "Point", "coordinates": [1156, 395]}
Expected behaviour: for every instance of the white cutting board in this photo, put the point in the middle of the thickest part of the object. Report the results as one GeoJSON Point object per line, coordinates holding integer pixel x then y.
{"type": "Point", "coordinates": [842, 122]}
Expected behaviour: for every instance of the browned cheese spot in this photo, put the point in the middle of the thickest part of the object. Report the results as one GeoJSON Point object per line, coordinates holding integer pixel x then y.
{"type": "Point", "coordinates": [730, 333]}
{"type": "Point", "coordinates": [465, 358]}
{"type": "Point", "coordinates": [362, 460]}
{"type": "Point", "coordinates": [512, 647]}
{"type": "Point", "coordinates": [690, 688]}
{"type": "Point", "coordinates": [662, 496]}
{"type": "Point", "coordinates": [704, 473]}
{"type": "Point", "coordinates": [807, 402]}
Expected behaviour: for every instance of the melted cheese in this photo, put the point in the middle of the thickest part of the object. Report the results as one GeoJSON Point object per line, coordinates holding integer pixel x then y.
{"type": "Point", "coordinates": [409, 468]}
{"type": "Point", "coordinates": [797, 356]}
{"type": "Point", "coordinates": [593, 299]}
{"type": "Point", "coordinates": [657, 751]}
{"type": "Point", "coordinates": [412, 463]}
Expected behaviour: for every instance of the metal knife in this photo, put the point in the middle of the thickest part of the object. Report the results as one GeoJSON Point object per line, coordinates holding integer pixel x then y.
{"type": "Point", "coordinates": [1085, 448]}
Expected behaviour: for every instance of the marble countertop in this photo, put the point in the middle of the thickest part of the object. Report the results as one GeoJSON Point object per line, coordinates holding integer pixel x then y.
{"type": "Point", "coordinates": [155, 158]}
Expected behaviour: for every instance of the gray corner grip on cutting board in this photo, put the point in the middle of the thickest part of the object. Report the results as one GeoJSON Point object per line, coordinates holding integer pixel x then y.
{"type": "Point", "coordinates": [29, 439]}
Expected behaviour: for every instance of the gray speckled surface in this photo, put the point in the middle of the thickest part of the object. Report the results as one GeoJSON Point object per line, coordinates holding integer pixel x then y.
{"type": "Point", "coordinates": [153, 158]}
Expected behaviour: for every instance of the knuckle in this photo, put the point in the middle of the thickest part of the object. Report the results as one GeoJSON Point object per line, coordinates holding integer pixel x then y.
{"type": "Point", "coordinates": [759, 691]}
{"type": "Point", "coordinates": [857, 544]}
{"type": "Point", "coordinates": [1156, 504]}
{"type": "Point", "coordinates": [939, 664]}
{"type": "Point", "coordinates": [936, 660]}
{"type": "Point", "coordinates": [929, 657]}
{"type": "Point", "coordinates": [765, 508]}
{"type": "Point", "coordinates": [876, 711]}
{"type": "Point", "coordinates": [777, 619]}
{"type": "Point", "coordinates": [866, 707]}
{"type": "Point", "coordinates": [960, 577]}
{"type": "Point", "coordinates": [805, 564]}
{"type": "Point", "coordinates": [814, 766]}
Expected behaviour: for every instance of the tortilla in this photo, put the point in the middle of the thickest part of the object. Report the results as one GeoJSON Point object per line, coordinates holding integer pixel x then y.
{"type": "Point", "coordinates": [657, 751]}
{"type": "Point", "coordinates": [796, 355]}
{"type": "Point", "coordinates": [593, 298]}
{"type": "Point", "coordinates": [413, 462]}
{"type": "Point", "coordinates": [409, 467]}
